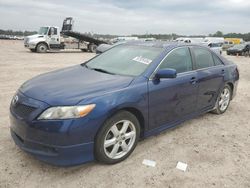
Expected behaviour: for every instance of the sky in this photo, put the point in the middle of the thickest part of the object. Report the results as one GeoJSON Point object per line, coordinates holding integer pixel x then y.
{"type": "Point", "coordinates": [125, 17]}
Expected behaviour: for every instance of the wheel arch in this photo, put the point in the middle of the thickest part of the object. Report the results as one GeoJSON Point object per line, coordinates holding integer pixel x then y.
{"type": "Point", "coordinates": [136, 112]}
{"type": "Point", "coordinates": [231, 85]}
{"type": "Point", "coordinates": [42, 42]}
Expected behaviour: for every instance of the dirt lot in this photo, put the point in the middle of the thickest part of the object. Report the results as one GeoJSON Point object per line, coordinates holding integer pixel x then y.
{"type": "Point", "coordinates": [216, 148]}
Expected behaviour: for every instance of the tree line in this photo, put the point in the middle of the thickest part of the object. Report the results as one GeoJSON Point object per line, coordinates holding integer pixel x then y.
{"type": "Point", "coordinates": [244, 36]}
{"type": "Point", "coordinates": [16, 33]}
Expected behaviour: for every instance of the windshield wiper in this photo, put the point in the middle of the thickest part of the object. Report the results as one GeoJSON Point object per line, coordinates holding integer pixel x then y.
{"type": "Point", "coordinates": [102, 70]}
{"type": "Point", "coordinates": [98, 69]}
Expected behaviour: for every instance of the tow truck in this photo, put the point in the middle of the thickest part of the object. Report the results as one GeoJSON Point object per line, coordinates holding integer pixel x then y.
{"type": "Point", "coordinates": [49, 38]}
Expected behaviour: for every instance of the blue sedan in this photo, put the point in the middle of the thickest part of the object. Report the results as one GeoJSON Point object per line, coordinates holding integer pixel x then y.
{"type": "Point", "coordinates": [101, 108]}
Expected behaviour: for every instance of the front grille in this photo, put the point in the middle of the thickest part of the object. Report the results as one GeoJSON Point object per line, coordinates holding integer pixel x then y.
{"type": "Point", "coordinates": [22, 110]}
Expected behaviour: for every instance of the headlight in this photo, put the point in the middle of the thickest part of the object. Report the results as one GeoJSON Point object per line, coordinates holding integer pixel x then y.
{"type": "Point", "coordinates": [66, 112]}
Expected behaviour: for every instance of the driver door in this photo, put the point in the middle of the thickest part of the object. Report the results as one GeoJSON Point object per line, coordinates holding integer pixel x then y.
{"type": "Point", "coordinates": [53, 37]}
{"type": "Point", "coordinates": [172, 99]}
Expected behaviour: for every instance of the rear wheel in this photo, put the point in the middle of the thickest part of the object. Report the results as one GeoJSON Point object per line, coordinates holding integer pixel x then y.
{"type": "Point", "coordinates": [223, 100]}
{"type": "Point", "coordinates": [41, 48]}
{"type": "Point", "coordinates": [84, 50]}
{"type": "Point", "coordinates": [92, 48]}
{"type": "Point", "coordinates": [117, 138]}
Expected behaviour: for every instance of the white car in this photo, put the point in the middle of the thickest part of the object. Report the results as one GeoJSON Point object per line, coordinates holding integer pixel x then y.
{"type": "Point", "coordinates": [216, 47]}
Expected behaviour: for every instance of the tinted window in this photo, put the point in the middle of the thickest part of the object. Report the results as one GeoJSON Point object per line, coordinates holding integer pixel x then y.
{"type": "Point", "coordinates": [203, 58]}
{"type": "Point", "coordinates": [179, 59]}
{"type": "Point", "coordinates": [217, 61]}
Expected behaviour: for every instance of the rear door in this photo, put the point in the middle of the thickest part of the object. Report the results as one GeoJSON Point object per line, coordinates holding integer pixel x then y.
{"type": "Point", "coordinates": [173, 99]}
{"type": "Point", "coordinates": [210, 77]}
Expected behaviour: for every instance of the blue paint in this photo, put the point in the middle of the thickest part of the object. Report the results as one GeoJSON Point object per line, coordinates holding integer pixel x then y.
{"type": "Point", "coordinates": [162, 103]}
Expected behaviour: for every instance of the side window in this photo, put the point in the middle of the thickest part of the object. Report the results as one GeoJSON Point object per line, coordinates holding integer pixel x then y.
{"type": "Point", "coordinates": [179, 59]}
{"type": "Point", "coordinates": [203, 58]}
{"type": "Point", "coordinates": [217, 61]}
{"type": "Point", "coordinates": [55, 31]}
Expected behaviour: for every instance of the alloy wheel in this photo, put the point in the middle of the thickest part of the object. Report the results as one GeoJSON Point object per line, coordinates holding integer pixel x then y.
{"type": "Point", "coordinates": [224, 99]}
{"type": "Point", "coordinates": [119, 139]}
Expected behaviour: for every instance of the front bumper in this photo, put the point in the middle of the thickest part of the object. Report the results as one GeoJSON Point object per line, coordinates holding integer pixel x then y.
{"type": "Point", "coordinates": [58, 142]}
{"type": "Point", "coordinates": [30, 46]}
{"type": "Point", "coordinates": [55, 145]}
{"type": "Point", "coordinates": [56, 155]}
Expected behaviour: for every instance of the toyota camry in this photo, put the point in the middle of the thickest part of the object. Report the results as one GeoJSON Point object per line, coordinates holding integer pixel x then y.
{"type": "Point", "coordinates": [100, 109]}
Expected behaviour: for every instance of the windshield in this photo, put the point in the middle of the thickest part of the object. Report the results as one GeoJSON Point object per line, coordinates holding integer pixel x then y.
{"type": "Point", "coordinates": [125, 60]}
{"type": "Point", "coordinates": [239, 46]}
{"type": "Point", "coordinates": [43, 31]}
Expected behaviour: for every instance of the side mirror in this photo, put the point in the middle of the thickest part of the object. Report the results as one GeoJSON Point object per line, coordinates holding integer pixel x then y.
{"type": "Point", "coordinates": [166, 73]}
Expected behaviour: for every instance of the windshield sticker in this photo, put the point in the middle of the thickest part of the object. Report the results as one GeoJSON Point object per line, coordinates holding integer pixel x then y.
{"type": "Point", "coordinates": [143, 60]}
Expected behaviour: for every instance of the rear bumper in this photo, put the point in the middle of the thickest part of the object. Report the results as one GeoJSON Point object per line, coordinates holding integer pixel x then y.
{"type": "Point", "coordinates": [56, 155]}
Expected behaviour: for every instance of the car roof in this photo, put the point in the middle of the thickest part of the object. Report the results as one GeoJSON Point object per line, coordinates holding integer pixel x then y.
{"type": "Point", "coordinates": [161, 44]}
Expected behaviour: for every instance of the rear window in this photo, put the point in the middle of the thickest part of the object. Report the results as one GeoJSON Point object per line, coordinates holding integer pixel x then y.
{"type": "Point", "coordinates": [217, 61]}
{"type": "Point", "coordinates": [203, 58]}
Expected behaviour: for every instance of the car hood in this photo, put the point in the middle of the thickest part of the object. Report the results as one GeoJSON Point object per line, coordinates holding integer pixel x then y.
{"type": "Point", "coordinates": [71, 85]}
{"type": "Point", "coordinates": [35, 36]}
{"type": "Point", "coordinates": [235, 49]}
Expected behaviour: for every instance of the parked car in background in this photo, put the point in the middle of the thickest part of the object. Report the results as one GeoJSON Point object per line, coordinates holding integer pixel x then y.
{"type": "Point", "coordinates": [239, 49]}
{"type": "Point", "coordinates": [227, 44]}
{"type": "Point", "coordinates": [230, 42]}
{"type": "Point", "coordinates": [101, 108]}
{"type": "Point", "coordinates": [216, 47]}
{"type": "Point", "coordinates": [215, 40]}
{"type": "Point", "coordinates": [235, 40]}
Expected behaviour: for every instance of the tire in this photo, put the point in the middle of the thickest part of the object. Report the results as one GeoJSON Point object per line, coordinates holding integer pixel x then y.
{"type": "Point", "coordinates": [41, 48]}
{"type": "Point", "coordinates": [114, 142]}
{"type": "Point", "coordinates": [84, 50]}
{"type": "Point", "coordinates": [246, 53]}
{"type": "Point", "coordinates": [228, 53]}
{"type": "Point", "coordinates": [223, 100]}
{"type": "Point", "coordinates": [92, 48]}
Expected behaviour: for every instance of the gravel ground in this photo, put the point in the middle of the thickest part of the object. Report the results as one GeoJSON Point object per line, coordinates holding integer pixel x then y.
{"type": "Point", "coordinates": [215, 147]}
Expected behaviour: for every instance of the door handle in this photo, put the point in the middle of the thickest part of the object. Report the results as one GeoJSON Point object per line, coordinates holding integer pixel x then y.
{"type": "Point", "coordinates": [193, 80]}
{"type": "Point", "coordinates": [223, 71]}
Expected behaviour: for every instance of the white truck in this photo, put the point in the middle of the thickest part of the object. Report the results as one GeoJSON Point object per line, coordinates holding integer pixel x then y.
{"type": "Point", "coordinates": [50, 38]}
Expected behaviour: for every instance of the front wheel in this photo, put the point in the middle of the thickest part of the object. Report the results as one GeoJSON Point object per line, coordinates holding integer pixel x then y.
{"type": "Point", "coordinates": [41, 48]}
{"type": "Point", "coordinates": [223, 100]}
{"type": "Point", "coordinates": [117, 138]}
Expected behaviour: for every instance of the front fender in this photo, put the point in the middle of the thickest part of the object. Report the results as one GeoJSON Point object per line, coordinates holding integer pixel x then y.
{"type": "Point", "coordinates": [35, 41]}
{"type": "Point", "coordinates": [107, 105]}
